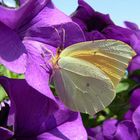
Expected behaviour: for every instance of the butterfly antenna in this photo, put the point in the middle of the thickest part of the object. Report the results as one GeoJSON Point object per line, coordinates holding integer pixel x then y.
{"type": "Point", "coordinates": [56, 30]}
{"type": "Point", "coordinates": [63, 38]}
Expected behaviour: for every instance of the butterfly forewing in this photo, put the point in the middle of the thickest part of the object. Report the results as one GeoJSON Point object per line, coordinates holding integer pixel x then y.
{"type": "Point", "coordinates": [111, 56]}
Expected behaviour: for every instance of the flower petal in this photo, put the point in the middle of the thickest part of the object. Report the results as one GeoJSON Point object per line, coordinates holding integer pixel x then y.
{"type": "Point", "coordinates": [70, 36]}
{"type": "Point", "coordinates": [45, 35]}
{"type": "Point", "coordinates": [31, 107]}
{"type": "Point", "coordinates": [109, 128]}
{"type": "Point", "coordinates": [64, 125]}
{"type": "Point", "coordinates": [12, 51]}
{"type": "Point", "coordinates": [89, 19]}
{"type": "Point", "coordinates": [128, 115]}
{"type": "Point", "coordinates": [19, 16]}
{"type": "Point", "coordinates": [66, 131]}
{"type": "Point", "coordinates": [94, 133]}
{"type": "Point", "coordinates": [38, 72]}
{"type": "Point", "coordinates": [94, 35]}
{"type": "Point", "coordinates": [126, 131]}
{"type": "Point", "coordinates": [39, 29]}
{"type": "Point", "coordinates": [5, 134]}
{"type": "Point", "coordinates": [48, 16]}
{"type": "Point", "coordinates": [135, 43]}
{"type": "Point", "coordinates": [118, 33]}
{"type": "Point", "coordinates": [135, 64]}
{"type": "Point", "coordinates": [135, 98]}
{"type": "Point", "coordinates": [136, 119]}
{"type": "Point", "coordinates": [131, 25]}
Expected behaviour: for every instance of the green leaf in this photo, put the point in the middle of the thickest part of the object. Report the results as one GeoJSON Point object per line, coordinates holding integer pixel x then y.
{"type": "Point", "coordinates": [120, 105]}
{"type": "Point", "coordinates": [121, 102]}
{"type": "Point", "coordinates": [9, 74]}
{"type": "Point", "coordinates": [135, 73]}
{"type": "Point", "coordinates": [17, 3]}
{"type": "Point", "coordinates": [3, 94]}
{"type": "Point", "coordinates": [125, 85]}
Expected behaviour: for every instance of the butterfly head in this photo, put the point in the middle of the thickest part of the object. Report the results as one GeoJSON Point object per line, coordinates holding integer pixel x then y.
{"type": "Point", "coordinates": [55, 59]}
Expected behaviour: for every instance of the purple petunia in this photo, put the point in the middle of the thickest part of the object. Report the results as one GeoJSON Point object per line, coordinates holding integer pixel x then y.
{"type": "Point", "coordinates": [96, 25]}
{"type": "Point", "coordinates": [135, 43]}
{"type": "Point", "coordinates": [30, 114]}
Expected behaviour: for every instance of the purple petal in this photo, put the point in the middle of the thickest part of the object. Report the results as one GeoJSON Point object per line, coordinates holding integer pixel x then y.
{"type": "Point", "coordinates": [128, 115]}
{"type": "Point", "coordinates": [38, 71]}
{"type": "Point", "coordinates": [48, 16]}
{"type": "Point", "coordinates": [131, 25]}
{"type": "Point", "coordinates": [22, 2]}
{"type": "Point", "coordinates": [118, 33]}
{"type": "Point", "coordinates": [93, 20]}
{"type": "Point", "coordinates": [19, 16]}
{"type": "Point", "coordinates": [135, 37]}
{"type": "Point", "coordinates": [31, 108]}
{"type": "Point", "coordinates": [137, 33]}
{"type": "Point", "coordinates": [109, 128]}
{"type": "Point", "coordinates": [135, 43]}
{"type": "Point", "coordinates": [63, 125]}
{"type": "Point", "coordinates": [82, 14]}
{"type": "Point", "coordinates": [126, 131]}
{"type": "Point", "coordinates": [12, 51]}
{"type": "Point", "coordinates": [46, 35]}
{"type": "Point", "coordinates": [67, 130]}
{"type": "Point", "coordinates": [94, 133]}
{"type": "Point", "coordinates": [100, 136]}
{"type": "Point", "coordinates": [136, 119]}
{"type": "Point", "coordinates": [39, 29]}
{"type": "Point", "coordinates": [70, 36]}
{"type": "Point", "coordinates": [5, 134]}
{"type": "Point", "coordinates": [94, 35]}
{"type": "Point", "coordinates": [135, 98]}
{"type": "Point", "coordinates": [135, 64]}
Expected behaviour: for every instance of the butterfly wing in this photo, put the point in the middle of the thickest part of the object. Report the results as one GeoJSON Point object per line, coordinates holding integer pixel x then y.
{"type": "Point", "coordinates": [82, 86]}
{"type": "Point", "coordinates": [111, 56]}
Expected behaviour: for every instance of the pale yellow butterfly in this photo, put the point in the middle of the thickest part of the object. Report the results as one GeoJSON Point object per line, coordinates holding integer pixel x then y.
{"type": "Point", "coordinates": [87, 73]}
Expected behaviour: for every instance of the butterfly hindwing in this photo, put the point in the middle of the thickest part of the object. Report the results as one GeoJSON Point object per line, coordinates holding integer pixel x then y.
{"type": "Point", "coordinates": [82, 86]}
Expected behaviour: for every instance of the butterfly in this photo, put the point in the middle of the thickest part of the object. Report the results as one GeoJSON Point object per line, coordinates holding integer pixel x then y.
{"type": "Point", "coordinates": [86, 74]}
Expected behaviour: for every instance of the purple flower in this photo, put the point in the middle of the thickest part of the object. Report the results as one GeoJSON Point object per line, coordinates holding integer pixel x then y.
{"type": "Point", "coordinates": [30, 114]}
{"type": "Point", "coordinates": [97, 25]}
{"type": "Point", "coordinates": [134, 103]}
{"type": "Point", "coordinates": [135, 37]}
{"type": "Point", "coordinates": [135, 99]}
{"type": "Point", "coordinates": [112, 129]}
{"type": "Point", "coordinates": [27, 36]}
{"type": "Point", "coordinates": [126, 131]}
{"type": "Point", "coordinates": [104, 132]}
{"type": "Point", "coordinates": [135, 64]}
{"type": "Point", "coordinates": [135, 43]}
{"type": "Point", "coordinates": [94, 133]}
